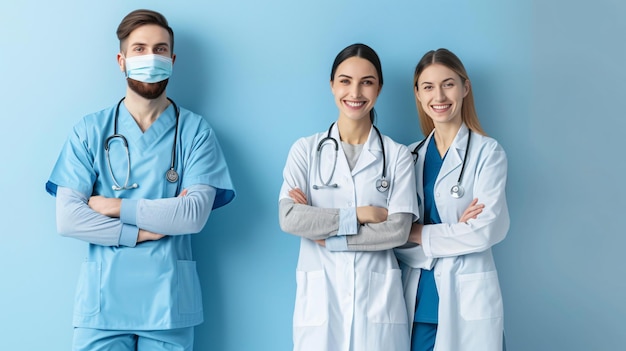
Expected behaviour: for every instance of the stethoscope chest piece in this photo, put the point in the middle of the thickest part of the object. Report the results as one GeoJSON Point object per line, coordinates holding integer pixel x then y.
{"type": "Point", "coordinates": [171, 175]}
{"type": "Point", "coordinates": [382, 185]}
{"type": "Point", "coordinates": [457, 191]}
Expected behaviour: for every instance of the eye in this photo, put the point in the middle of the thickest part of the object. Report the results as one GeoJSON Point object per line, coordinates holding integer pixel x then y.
{"type": "Point", "coordinates": [448, 84]}
{"type": "Point", "coordinates": [344, 81]}
{"type": "Point", "coordinates": [427, 87]}
{"type": "Point", "coordinates": [161, 49]}
{"type": "Point", "coordinates": [367, 82]}
{"type": "Point", "coordinates": [138, 49]}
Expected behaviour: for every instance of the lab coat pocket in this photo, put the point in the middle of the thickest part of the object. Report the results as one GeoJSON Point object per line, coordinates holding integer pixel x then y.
{"type": "Point", "coordinates": [386, 298]}
{"type": "Point", "coordinates": [189, 294]}
{"type": "Point", "coordinates": [479, 296]}
{"type": "Point", "coordinates": [87, 300]}
{"type": "Point", "coordinates": [311, 308]}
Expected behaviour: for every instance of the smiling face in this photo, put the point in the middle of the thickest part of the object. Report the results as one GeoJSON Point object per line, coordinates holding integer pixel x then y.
{"type": "Point", "coordinates": [356, 87]}
{"type": "Point", "coordinates": [440, 92]}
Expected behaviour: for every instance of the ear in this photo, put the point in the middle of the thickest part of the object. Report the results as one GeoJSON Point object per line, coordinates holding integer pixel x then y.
{"type": "Point", "coordinates": [121, 61]}
{"type": "Point", "coordinates": [466, 87]}
{"type": "Point", "coordinates": [332, 90]}
{"type": "Point", "coordinates": [173, 58]}
{"type": "Point", "coordinates": [417, 95]}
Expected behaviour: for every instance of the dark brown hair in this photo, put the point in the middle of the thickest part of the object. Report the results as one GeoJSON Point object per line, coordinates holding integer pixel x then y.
{"type": "Point", "coordinates": [139, 18]}
{"type": "Point", "coordinates": [362, 51]}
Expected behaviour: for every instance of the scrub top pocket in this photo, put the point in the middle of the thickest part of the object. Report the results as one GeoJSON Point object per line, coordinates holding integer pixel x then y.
{"type": "Point", "coordinates": [189, 294]}
{"type": "Point", "coordinates": [87, 299]}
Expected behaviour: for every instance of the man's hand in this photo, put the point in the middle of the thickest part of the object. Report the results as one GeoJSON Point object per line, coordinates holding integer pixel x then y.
{"type": "Point", "coordinates": [106, 206]}
{"type": "Point", "coordinates": [145, 235]}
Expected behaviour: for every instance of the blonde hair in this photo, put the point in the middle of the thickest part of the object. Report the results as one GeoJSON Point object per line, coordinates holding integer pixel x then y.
{"type": "Point", "coordinates": [468, 110]}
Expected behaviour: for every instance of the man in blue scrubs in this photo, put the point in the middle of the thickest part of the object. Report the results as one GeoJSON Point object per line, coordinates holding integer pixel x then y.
{"type": "Point", "coordinates": [135, 180]}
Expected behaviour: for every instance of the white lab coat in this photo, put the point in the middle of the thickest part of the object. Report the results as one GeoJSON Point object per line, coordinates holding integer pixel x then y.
{"type": "Point", "coordinates": [470, 301]}
{"type": "Point", "coordinates": [350, 301]}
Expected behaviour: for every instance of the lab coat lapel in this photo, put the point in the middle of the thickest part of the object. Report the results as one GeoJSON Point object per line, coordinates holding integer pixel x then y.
{"type": "Point", "coordinates": [454, 157]}
{"type": "Point", "coordinates": [419, 175]}
{"type": "Point", "coordinates": [342, 167]}
{"type": "Point", "coordinates": [371, 152]}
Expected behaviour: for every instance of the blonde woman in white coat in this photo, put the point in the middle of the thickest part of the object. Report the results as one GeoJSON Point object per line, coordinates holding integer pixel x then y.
{"type": "Point", "coordinates": [450, 279]}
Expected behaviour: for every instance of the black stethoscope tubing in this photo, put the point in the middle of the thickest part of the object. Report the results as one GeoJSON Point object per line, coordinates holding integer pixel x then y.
{"type": "Point", "coordinates": [457, 190]}
{"type": "Point", "coordinates": [381, 185]}
{"type": "Point", "coordinates": [171, 175]}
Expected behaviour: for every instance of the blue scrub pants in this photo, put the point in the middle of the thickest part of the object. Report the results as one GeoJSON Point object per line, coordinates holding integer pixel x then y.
{"type": "Point", "coordinates": [423, 337]}
{"type": "Point", "coordinates": [86, 339]}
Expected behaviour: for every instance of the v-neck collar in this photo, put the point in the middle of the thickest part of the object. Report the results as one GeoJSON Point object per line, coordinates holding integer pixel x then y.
{"type": "Point", "coordinates": [129, 128]}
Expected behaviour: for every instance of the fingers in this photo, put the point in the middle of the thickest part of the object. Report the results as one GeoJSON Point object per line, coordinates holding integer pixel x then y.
{"type": "Point", "coordinates": [298, 196]}
{"type": "Point", "coordinates": [472, 211]}
{"type": "Point", "coordinates": [183, 193]}
{"type": "Point", "coordinates": [474, 202]}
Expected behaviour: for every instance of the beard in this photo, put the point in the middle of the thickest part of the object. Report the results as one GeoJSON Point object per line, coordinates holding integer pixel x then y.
{"type": "Point", "coordinates": [148, 91]}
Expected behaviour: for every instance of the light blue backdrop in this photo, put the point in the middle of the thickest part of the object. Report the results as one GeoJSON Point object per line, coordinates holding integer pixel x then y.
{"type": "Point", "coordinates": [549, 83]}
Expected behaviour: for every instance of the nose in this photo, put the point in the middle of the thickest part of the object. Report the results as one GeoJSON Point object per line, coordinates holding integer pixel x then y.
{"type": "Point", "coordinates": [355, 90]}
{"type": "Point", "coordinates": [439, 94]}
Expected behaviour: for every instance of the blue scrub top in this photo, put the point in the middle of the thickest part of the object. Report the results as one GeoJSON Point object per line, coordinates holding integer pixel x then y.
{"type": "Point", "coordinates": [427, 306]}
{"type": "Point", "coordinates": [153, 285]}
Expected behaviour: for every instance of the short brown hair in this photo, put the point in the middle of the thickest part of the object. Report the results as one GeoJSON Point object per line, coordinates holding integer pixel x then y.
{"type": "Point", "coordinates": [139, 18]}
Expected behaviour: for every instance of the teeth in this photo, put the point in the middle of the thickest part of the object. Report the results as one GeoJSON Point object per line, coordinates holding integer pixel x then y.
{"type": "Point", "coordinates": [441, 107]}
{"type": "Point", "coordinates": [355, 103]}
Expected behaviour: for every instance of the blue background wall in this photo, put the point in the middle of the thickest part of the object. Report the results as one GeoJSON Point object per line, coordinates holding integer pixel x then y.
{"type": "Point", "coordinates": [549, 83]}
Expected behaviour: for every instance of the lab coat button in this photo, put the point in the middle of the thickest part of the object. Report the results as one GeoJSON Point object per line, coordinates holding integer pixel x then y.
{"type": "Point", "coordinates": [437, 194]}
{"type": "Point", "coordinates": [350, 203]}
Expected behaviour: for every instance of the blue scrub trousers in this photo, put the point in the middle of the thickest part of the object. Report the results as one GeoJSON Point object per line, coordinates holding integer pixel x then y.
{"type": "Point", "coordinates": [87, 339]}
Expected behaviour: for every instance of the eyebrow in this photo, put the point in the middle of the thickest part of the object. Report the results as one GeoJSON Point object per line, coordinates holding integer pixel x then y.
{"type": "Point", "coordinates": [144, 44]}
{"type": "Point", "coordinates": [445, 80]}
{"type": "Point", "coordinates": [347, 76]}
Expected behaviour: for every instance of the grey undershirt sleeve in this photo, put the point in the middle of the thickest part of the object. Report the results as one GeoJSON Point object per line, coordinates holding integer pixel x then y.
{"type": "Point", "coordinates": [171, 216]}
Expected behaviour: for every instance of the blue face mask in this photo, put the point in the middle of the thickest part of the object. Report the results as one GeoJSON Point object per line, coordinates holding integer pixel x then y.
{"type": "Point", "coordinates": [149, 68]}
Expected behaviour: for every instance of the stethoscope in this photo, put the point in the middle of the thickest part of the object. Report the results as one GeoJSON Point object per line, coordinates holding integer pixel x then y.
{"type": "Point", "coordinates": [382, 184]}
{"type": "Point", "coordinates": [171, 175]}
{"type": "Point", "coordinates": [457, 190]}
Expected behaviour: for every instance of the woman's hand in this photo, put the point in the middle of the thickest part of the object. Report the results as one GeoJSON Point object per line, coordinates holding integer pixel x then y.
{"type": "Point", "coordinates": [298, 196]}
{"type": "Point", "coordinates": [472, 211]}
{"type": "Point", "coordinates": [371, 214]}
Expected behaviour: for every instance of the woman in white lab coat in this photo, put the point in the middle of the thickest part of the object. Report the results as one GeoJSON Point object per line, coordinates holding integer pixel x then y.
{"type": "Point", "coordinates": [450, 279]}
{"type": "Point", "coordinates": [349, 193]}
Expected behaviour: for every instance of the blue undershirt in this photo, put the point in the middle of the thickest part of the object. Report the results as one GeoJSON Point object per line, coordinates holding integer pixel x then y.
{"type": "Point", "coordinates": [427, 305]}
